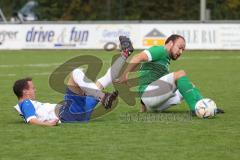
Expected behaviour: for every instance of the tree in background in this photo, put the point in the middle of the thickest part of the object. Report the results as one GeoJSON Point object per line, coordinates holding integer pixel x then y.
{"type": "Point", "coordinates": [224, 9]}
{"type": "Point", "coordinates": [79, 10]}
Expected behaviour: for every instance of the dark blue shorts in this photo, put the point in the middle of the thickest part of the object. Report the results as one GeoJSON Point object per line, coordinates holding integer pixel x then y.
{"type": "Point", "coordinates": [77, 108]}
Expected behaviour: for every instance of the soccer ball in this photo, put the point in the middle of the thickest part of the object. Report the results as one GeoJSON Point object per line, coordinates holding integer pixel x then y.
{"type": "Point", "coordinates": [205, 108]}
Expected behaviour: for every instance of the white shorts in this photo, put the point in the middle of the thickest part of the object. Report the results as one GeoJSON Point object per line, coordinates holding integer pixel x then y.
{"type": "Point", "coordinates": [161, 94]}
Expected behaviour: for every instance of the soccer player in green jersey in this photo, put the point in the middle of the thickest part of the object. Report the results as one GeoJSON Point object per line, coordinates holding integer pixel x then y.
{"type": "Point", "coordinates": [158, 88]}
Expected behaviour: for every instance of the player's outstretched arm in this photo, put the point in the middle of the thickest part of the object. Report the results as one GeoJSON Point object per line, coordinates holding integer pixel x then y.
{"type": "Point", "coordinates": [135, 61]}
{"type": "Point", "coordinates": [35, 121]}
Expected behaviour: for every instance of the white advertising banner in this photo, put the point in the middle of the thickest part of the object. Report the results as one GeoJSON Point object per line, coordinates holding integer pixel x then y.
{"type": "Point", "coordinates": [10, 37]}
{"type": "Point", "coordinates": [198, 36]}
{"type": "Point", "coordinates": [99, 36]}
{"type": "Point", "coordinates": [58, 36]}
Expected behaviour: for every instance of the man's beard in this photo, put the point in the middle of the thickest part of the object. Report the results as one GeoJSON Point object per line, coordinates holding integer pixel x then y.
{"type": "Point", "coordinates": [172, 57]}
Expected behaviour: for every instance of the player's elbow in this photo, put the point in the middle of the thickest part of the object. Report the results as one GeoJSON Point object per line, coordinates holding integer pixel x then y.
{"type": "Point", "coordinates": [33, 121]}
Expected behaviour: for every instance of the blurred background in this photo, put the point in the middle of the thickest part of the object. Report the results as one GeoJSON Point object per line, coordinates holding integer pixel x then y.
{"type": "Point", "coordinates": [97, 24]}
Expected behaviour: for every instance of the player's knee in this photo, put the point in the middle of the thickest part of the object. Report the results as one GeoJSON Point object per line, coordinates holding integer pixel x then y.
{"type": "Point", "coordinates": [182, 73]}
{"type": "Point", "coordinates": [179, 74]}
{"type": "Point", "coordinates": [76, 77]}
{"type": "Point", "coordinates": [76, 71]}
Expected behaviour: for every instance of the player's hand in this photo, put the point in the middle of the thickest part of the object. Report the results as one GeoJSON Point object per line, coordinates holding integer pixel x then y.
{"type": "Point", "coordinates": [53, 122]}
{"type": "Point", "coordinates": [122, 79]}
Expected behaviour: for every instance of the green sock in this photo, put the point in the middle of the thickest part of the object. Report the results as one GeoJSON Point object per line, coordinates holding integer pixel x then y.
{"type": "Point", "coordinates": [189, 92]}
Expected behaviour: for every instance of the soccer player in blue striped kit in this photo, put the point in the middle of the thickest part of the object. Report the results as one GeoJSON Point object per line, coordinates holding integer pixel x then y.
{"type": "Point", "coordinates": [81, 96]}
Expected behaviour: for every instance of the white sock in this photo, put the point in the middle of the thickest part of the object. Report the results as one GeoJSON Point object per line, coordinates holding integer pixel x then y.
{"type": "Point", "coordinates": [112, 72]}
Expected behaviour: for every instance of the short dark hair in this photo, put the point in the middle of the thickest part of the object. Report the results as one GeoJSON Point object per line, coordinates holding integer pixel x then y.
{"type": "Point", "coordinates": [173, 37]}
{"type": "Point", "coordinates": [20, 85]}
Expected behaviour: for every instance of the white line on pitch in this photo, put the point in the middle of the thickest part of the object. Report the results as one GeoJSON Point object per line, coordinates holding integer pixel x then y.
{"type": "Point", "coordinates": [32, 74]}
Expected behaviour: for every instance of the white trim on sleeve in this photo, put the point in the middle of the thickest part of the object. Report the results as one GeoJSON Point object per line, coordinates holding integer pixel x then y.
{"type": "Point", "coordinates": [148, 55]}
{"type": "Point", "coordinates": [29, 118]}
{"type": "Point", "coordinates": [18, 109]}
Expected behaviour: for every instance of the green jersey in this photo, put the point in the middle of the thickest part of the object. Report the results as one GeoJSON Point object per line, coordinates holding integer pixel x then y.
{"type": "Point", "coordinates": [155, 68]}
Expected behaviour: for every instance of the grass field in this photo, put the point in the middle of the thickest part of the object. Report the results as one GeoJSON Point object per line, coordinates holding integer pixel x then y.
{"type": "Point", "coordinates": [123, 133]}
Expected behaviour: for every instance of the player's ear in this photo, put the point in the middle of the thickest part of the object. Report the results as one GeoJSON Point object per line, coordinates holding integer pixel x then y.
{"type": "Point", "coordinates": [171, 43]}
{"type": "Point", "coordinates": [25, 92]}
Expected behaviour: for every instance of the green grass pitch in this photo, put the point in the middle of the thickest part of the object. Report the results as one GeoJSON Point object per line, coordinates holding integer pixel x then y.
{"type": "Point", "coordinates": [123, 133]}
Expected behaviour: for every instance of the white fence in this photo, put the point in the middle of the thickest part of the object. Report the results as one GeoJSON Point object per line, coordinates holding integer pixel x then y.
{"type": "Point", "coordinates": [95, 36]}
